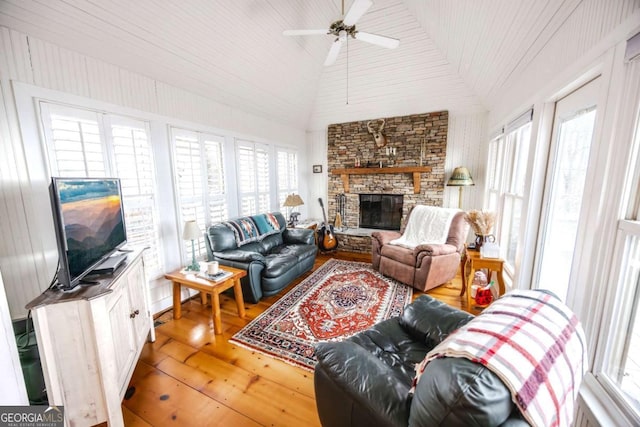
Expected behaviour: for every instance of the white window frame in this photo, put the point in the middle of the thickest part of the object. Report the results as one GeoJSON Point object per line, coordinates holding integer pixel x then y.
{"type": "Point", "coordinates": [508, 161]}
{"type": "Point", "coordinates": [287, 180]}
{"type": "Point", "coordinates": [201, 203]}
{"type": "Point", "coordinates": [262, 191]}
{"type": "Point", "coordinates": [154, 265]}
{"type": "Point", "coordinates": [602, 396]}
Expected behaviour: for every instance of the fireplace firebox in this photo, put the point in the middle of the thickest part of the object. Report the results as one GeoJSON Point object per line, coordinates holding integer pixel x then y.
{"type": "Point", "coordinates": [383, 211]}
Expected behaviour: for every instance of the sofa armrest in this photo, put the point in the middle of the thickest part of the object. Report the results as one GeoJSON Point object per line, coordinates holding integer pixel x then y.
{"type": "Point", "coordinates": [303, 236]}
{"type": "Point", "coordinates": [348, 376]}
{"type": "Point", "coordinates": [431, 321]}
{"type": "Point", "coordinates": [240, 256]}
{"type": "Point", "coordinates": [435, 249]}
{"type": "Point", "coordinates": [384, 237]}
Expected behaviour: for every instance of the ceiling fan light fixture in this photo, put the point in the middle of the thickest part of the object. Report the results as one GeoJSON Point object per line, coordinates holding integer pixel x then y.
{"type": "Point", "coordinates": [345, 28]}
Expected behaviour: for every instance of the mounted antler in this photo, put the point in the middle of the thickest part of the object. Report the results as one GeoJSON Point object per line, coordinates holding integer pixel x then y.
{"type": "Point", "coordinates": [379, 138]}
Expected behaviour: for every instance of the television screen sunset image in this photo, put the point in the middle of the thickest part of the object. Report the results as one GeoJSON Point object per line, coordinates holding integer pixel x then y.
{"type": "Point", "coordinates": [93, 220]}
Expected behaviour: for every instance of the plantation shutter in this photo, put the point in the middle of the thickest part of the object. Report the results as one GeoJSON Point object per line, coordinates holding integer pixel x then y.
{"type": "Point", "coordinates": [287, 179]}
{"type": "Point", "coordinates": [246, 179]}
{"type": "Point", "coordinates": [253, 177]}
{"type": "Point", "coordinates": [262, 171]}
{"type": "Point", "coordinates": [74, 142]}
{"type": "Point", "coordinates": [216, 193]}
{"type": "Point", "coordinates": [78, 144]}
{"type": "Point", "coordinates": [190, 184]}
{"type": "Point", "coordinates": [134, 166]}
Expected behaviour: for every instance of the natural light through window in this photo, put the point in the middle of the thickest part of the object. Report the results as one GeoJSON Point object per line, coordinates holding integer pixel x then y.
{"type": "Point", "coordinates": [623, 368]}
{"type": "Point", "coordinates": [567, 187]}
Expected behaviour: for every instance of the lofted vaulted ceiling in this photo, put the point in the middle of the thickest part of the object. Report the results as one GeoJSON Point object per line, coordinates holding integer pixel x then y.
{"type": "Point", "coordinates": [454, 55]}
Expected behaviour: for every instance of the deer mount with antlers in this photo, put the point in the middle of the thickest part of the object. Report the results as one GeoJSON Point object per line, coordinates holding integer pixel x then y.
{"type": "Point", "coordinates": [375, 127]}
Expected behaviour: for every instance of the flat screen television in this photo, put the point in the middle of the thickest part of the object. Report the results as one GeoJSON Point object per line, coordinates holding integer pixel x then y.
{"type": "Point", "coordinates": [89, 222]}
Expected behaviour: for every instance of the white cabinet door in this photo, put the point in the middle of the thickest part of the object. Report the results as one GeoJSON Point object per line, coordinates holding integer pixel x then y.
{"type": "Point", "coordinates": [137, 298]}
{"type": "Point", "coordinates": [122, 334]}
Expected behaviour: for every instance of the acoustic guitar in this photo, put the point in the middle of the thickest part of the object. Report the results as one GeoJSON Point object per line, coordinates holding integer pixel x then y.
{"type": "Point", "coordinates": [327, 240]}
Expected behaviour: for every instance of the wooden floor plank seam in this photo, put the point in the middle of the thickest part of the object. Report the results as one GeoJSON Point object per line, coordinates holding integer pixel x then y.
{"type": "Point", "coordinates": [191, 376]}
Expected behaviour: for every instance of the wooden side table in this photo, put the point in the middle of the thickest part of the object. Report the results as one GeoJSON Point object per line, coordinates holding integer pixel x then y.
{"type": "Point", "coordinates": [208, 287]}
{"type": "Point", "coordinates": [474, 261]}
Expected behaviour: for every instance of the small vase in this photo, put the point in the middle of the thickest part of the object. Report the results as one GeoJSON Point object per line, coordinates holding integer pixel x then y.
{"type": "Point", "coordinates": [481, 239]}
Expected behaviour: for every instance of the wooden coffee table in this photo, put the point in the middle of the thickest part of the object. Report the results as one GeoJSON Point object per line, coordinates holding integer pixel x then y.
{"type": "Point", "coordinates": [208, 287]}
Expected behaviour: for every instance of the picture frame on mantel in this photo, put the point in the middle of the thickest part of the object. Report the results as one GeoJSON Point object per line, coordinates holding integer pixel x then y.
{"type": "Point", "coordinates": [317, 168]}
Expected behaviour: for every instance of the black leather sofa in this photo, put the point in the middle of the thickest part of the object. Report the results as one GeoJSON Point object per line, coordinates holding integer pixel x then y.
{"type": "Point", "coordinates": [365, 380]}
{"type": "Point", "coordinates": [272, 261]}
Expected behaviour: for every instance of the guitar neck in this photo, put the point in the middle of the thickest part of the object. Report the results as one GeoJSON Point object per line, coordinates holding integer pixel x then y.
{"type": "Point", "coordinates": [324, 215]}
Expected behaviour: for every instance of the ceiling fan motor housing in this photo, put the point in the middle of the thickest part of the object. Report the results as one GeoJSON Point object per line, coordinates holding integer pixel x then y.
{"type": "Point", "coordinates": [339, 26]}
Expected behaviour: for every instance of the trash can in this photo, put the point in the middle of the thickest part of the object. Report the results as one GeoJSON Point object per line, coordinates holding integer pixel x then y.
{"type": "Point", "coordinates": [30, 361]}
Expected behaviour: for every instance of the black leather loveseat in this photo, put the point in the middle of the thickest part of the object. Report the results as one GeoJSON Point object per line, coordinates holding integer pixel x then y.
{"type": "Point", "coordinates": [365, 380]}
{"type": "Point", "coordinates": [272, 254]}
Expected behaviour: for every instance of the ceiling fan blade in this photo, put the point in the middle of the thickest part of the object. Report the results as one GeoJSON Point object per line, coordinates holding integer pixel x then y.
{"type": "Point", "coordinates": [303, 32]}
{"type": "Point", "coordinates": [358, 8]}
{"type": "Point", "coordinates": [333, 53]}
{"type": "Point", "coordinates": [383, 41]}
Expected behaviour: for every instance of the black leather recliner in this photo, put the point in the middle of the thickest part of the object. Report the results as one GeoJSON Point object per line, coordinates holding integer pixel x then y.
{"type": "Point", "coordinates": [271, 263]}
{"type": "Point", "coordinates": [365, 380]}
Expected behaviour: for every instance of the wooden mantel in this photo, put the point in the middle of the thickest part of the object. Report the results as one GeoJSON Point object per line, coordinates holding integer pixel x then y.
{"type": "Point", "coordinates": [415, 170]}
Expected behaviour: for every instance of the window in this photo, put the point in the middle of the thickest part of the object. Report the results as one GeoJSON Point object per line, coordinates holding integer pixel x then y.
{"type": "Point", "coordinates": [252, 164]}
{"type": "Point", "coordinates": [571, 141]}
{"type": "Point", "coordinates": [287, 164]}
{"type": "Point", "coordinates": [200, 184]}
{"type": "Point", "coordinates": [508, 157]}
{"type": "Point", "coordinates": [84, 143]}
{"type": "Point", "coordinates": [619, 372]}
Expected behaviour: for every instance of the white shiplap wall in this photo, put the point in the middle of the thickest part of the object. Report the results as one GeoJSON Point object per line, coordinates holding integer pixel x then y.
{"type": "Point", "coordinates": [494, 46]}
{"type": "Point", "coordinates": [416, 77]}
{"type": "Point", "coordinates": [466, 147]}
{"type": "Point", "coordinates": [23, 251]}
{"type": "Point", "coordinates": [584, 34]}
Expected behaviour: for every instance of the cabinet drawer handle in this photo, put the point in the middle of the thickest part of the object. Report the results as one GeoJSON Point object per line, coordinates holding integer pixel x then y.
{"type": "Point", "coordinates": [134, 314]}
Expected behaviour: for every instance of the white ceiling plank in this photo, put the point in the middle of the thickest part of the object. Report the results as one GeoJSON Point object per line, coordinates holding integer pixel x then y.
{"type": "Point", "coordinates": [459, 55]}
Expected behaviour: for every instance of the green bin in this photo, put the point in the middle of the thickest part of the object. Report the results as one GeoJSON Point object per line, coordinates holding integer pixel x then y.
{"type": "Point", "coordinates": [30, 361]}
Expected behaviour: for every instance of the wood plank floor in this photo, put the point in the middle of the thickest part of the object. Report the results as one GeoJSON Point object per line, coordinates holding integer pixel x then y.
{"type": "Point", "coordinates": [192, 377]}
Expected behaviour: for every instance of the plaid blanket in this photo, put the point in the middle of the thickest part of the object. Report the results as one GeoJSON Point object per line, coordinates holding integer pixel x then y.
{"type": "Point", "coordinates": [534, 344]}
{"type": "Point", "coordinates": [253, 228]}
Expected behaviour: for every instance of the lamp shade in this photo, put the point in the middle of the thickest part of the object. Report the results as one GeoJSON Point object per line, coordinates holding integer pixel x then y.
{"type": "Point", "coordinates": [191, 231]}
{"type": "Point", "coordinates": [460, 178]}
{"type": "Point", "coordinates": [293, 200]}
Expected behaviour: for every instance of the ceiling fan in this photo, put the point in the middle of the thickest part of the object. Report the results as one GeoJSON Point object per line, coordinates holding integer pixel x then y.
{"type": "Point", "coordinates": [346, 27]}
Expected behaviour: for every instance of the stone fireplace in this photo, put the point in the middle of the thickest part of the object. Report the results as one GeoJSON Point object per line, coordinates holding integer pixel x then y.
{"type": "Point", "coordinates": [415, 173]}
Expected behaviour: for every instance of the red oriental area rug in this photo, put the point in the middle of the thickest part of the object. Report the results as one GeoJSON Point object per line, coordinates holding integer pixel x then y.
{"type": "Point", "coordinates": [339, 299]}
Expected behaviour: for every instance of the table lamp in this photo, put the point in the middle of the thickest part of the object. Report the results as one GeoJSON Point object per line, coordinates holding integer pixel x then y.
{"type": "Point", "coordinates": [460, 178]}
{"type": "Point", "coordinates": [192, 232]}
{"type": "Point", "coordinates": [292, 201]}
